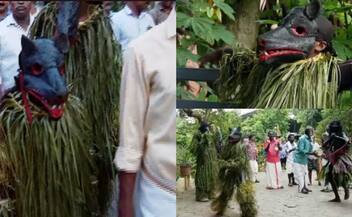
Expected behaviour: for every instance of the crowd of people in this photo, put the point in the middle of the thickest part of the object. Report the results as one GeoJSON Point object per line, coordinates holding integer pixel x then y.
{"type": "Point", "coordinates": [298, 155]}
{"type": "Point", "coordinates": [301, 155]}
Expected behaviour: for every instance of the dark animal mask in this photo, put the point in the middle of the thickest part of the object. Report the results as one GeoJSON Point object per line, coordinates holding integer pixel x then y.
{"type": "Point", "coordinates": [235, 135]}
{"type": "Point", "coordinates": [67, 24]}
{"type": "Point", "coordinates": [41, 75]}
{"type": "Point", "coordinates": [294, 39]}
{"type": "Point", "coordinates": [335, 127]}
{"type": "Point", "coordinates": [204, 127]}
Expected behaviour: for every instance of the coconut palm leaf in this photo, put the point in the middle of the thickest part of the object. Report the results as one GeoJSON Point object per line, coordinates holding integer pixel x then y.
{"type": "Point", "coordinates": [51, 169]}
{"type": "Point", "coordinates": [93, 69]}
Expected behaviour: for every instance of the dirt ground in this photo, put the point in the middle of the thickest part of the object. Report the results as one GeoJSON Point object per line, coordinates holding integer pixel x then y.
{"type": "Point", "coordinates": [286, 202]}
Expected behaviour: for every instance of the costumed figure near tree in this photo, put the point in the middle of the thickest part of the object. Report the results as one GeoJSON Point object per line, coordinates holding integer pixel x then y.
{"type": "Point", "coordinates": [297, 66]}
{"type": "Point", "coordinates": [233, 170]}
{"type": "Point", "coordinates": [204, 148]}
{"type": "Point", "coordinates": [93, 71]}
{"type": "Point", "coordinates": [338, 169]}
{"type": "Point", "coordinates": [44, 135]}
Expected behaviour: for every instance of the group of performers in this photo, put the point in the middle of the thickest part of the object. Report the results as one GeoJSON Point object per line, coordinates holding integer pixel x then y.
{"type": "Point", "coordinates": [223, 172]}
{"type": "Point", "coordinates": [227, 171]}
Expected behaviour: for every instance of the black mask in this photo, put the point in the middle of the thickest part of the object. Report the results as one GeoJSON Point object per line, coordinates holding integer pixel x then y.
{"type": "Point", "coordinates": [204, 127]}
{"type": "Point", "coordinates": [295, 37]}
{"type": "Point", "coordinates": [335, 127]}
{"type": "Point", "coordinates": [235, 135]}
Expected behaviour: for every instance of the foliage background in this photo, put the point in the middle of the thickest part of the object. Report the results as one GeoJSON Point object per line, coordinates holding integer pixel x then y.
{"type": "Point", "coordinates": [258, 123]}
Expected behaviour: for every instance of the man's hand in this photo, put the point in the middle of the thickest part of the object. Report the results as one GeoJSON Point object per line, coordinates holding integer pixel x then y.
{"type": "Point", "coordinates": [126, 186]}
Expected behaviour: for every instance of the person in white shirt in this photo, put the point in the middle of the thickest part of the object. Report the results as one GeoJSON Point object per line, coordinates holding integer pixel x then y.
{"type": "Point", "coordinates": [131, 22]}
{"type": "Point", "coordinates": [148, 124]}
{"type": "Point", "coordinates": [314, 162]}
{"type": "Point", "coordinates": [11, 29]}
{"type": "Point", "coordinates": [289, 147]}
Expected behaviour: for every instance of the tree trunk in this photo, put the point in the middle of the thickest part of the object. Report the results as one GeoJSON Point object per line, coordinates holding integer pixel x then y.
{"type": "Point", "coordinates": [245, 26]}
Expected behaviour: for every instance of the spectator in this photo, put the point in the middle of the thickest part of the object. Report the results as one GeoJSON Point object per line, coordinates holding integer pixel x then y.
{"type": "Point", "coordinates": [36, 8]}
{"type": "Point", "coordinates": [252, 153]}
{"type": "Point", "coordinates": [148, 124]}
{"type": "Point", "coordinates": [161, 10]}
{"type": "Point", "coordinates": [4, 9]}
{"type": "Point", "coordinates": [314, 163]}
{"type": "Point", "coordinates": [289, 147]}
{"type": "Point", "coordinates": [107, 5]}
{"type": "Point", "coordinates": [283, 157]}
{"type": "Point", "coordinates": [11, 30]}
{"type": "Point", "coordinates": [304, 148]}
{"type": "Point", "coordinates": [273, 166]}
{"type": "Point", "coordinates": [131, 22]}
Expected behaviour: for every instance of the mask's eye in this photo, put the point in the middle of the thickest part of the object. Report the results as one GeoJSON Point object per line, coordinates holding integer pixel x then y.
{"type": "Point", "coordinates": [62, 70]}
{"type": "Point", "coordinates": [299, 31]}
{"type": "Point", "coordinates": [36, 69]}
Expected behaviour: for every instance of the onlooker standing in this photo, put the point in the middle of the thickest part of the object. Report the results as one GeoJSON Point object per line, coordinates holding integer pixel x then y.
{"type": "Point", "coordinates": [11, 30]}
{"type": "Point", "coordinates": [107, 5]}
{"type": "Point", "coordinates": [36, 8]}
{"type": "Point", "coordinates": [283, 157]}
{"type": "Point", "coordinates": [327, 186]}
{"type": "Point", "coordinates": [161, 10]}
{"type": "Point", "coordinates": [314, 162]}
{"type": "Point", "coordinates": [131, 22]}
{"type": "Point", "coordinates": [289, 147]}
{"type": "Point", "coordinates": [4, 9]}
{"type": "Point", "coordinates": [273, 167]}
{"type": "Point", "coordinates": [252, 153]}
{"type": "Point", "coordinates": [148, 124]}
{"type": "Point", "coordinates": [304, 148]}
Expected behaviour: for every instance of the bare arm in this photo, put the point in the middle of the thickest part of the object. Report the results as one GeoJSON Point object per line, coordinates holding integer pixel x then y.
{"type": "Point", "coordinates": [126, 189]}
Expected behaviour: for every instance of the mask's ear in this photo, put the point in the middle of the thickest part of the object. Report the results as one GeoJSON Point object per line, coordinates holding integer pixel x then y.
{"type": "Point", "coordinates": [62, 43]}
{"type": "Point", "coordinates": [28, 46]}
{"type": "Point", "coordinates": [66, 24]}
{"type": "Point", "coordinates": [312, 10]}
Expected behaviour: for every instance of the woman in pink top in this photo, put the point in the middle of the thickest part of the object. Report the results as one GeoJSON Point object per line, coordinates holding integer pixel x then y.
{"type": "Point", "coordinates": [273, 167]}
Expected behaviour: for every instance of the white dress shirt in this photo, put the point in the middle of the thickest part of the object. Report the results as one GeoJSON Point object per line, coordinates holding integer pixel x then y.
{"type": "Point", "coordinates": [10, 48]}
{"type": "Point", "coordinates": [147, 106]}
{"type": "Point", "coordinates": [127, 26]}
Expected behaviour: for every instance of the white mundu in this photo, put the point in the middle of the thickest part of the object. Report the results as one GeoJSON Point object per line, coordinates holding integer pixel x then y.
{"type": "Point", "coordinates": [273, 175]}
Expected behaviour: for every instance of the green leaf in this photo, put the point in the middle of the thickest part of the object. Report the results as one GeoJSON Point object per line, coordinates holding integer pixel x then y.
{"type": "Point", "coordinates": [183, 55]}
{"type": "Point", "coordinates": [183, 20]}
{"type": "Point", "coordinates": [225, 8]}
{"type": "Point", "coordinates": [219, 32]}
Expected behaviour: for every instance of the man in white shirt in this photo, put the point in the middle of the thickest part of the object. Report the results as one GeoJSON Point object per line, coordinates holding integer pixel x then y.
{"type": "Point", "coordinates": [11, 29]}
{"type": "Point", "coordinates": [131, 22]}
{"type": "Point", "coordinates": [148, 125]}
{"type": "Point", "coordinates": [314, 162]}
